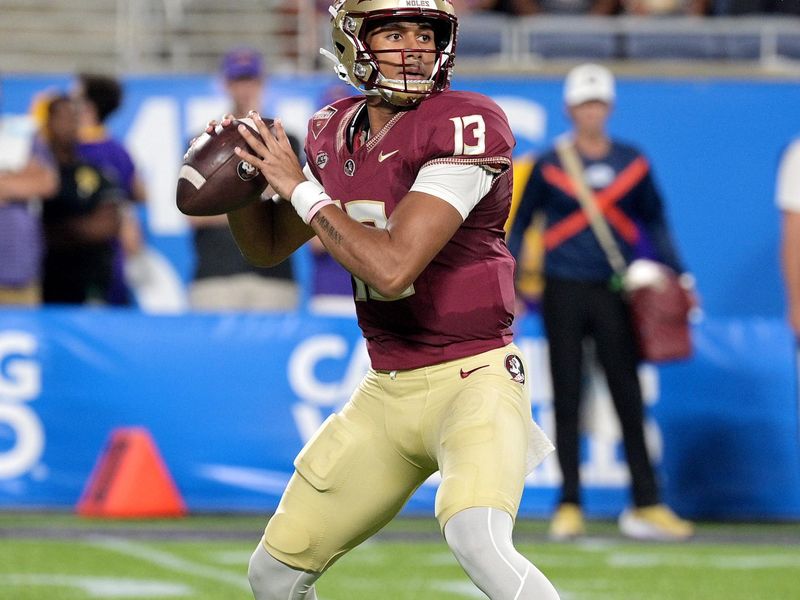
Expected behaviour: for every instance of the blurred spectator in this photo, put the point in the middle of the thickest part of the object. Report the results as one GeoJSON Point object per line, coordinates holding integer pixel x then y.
{"type": "Point", "coordinates": [666, 7]}
{"type": "Point", "coordinates": [788, 199]}
{"type": "Point", "coordinates": [81, 221]}
{"type": "Point", "coordinates": [581, 303]}
{"type": "Point", "coordinates": [551, 7]}
{"type": "Point", "coordinates": [331, 285]}
{"type": "Point", "coordinates": [27, 174]}
{"type": "Point", "coordinates": [98, 97]}
{"type": "Point", "coordinates": [223, 279]}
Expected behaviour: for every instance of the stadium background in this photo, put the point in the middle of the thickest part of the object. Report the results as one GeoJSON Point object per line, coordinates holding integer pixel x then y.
{"type": "Point", "coordinates": [230, 399]}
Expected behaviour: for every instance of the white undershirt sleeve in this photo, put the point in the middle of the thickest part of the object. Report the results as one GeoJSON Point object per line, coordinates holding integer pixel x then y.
{"type": "Point", "coordinates": [788, 185]}
{"type": "Point", "coordinates": [461, 186]}
{"type": "Point", "coordinates": [310, 174]}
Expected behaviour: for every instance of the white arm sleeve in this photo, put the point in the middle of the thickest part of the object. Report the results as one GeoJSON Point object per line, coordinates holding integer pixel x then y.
{"type": "Point", "coordinates": [788, 185]}
{"type": "Point", "coordinates": [461, 186]}
{"type": "Point", "coordinates": [309, 175]}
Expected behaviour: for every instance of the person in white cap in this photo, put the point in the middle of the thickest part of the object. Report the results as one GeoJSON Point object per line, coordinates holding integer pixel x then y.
{"type": "Point", "coordinates": [579, 301]}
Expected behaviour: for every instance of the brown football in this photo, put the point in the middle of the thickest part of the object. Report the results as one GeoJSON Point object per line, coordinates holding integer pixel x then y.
{"type": "Point", "coordinates": [212, 179]}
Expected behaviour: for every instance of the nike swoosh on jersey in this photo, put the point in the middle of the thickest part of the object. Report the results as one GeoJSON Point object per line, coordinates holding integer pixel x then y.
{"type": "Point", "coordinates": [382, 157]}
{"type": "Point", "coordinates": [465, 374]}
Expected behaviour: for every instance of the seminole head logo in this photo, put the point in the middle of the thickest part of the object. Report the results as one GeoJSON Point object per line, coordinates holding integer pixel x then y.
{"type": "Point", "coordinates": [515, 368]}
{"type": "Point", "coordinates": [246, 171]}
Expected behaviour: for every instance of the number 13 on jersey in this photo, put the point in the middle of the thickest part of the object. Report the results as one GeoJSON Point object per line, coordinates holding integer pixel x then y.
{"type": "Point", "coordinates": [473, 126]}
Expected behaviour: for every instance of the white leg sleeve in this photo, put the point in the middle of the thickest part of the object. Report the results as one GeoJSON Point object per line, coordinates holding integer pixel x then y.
{"type": "Point", "coordinates": [480, 538]}
{"type": "Point", "coordinates": [270, 579]}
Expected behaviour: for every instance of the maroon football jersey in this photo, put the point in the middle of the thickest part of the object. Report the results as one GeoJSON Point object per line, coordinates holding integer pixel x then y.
{"type": "Point", "coordinates": [463, 302]}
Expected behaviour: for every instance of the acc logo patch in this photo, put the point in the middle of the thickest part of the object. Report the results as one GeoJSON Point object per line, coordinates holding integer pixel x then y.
{"type": "Point", "coordinates": [246, 171]}
{"type": "Point", "coordinates": [515, 368]}
{"type": "Point", "coordinates": [322, 159]}
{"type": "Point", "coordinates": [349, 167]}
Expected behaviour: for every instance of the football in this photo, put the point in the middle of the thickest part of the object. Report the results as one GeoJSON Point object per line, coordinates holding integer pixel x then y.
{"type": "Point", "coordinates": [212, 179]}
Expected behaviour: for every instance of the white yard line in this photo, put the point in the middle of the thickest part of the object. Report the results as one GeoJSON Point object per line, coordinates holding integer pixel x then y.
{"type": "Point", "coordinates": [171, 561]}
{"type": "Point", "coordinates": [724, 563]}
{"type": "Point", "coordinates": [231, 557]}
{"type": "Point", "coordinates": [101, 587]}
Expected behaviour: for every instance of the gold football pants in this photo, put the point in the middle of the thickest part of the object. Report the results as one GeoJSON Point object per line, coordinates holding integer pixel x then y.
{"type": "Point", "coordinates": [469, 419]}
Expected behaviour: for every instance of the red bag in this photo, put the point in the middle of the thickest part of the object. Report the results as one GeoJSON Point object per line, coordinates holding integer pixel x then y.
{"type": "Point", "coordinates": [660, 314]}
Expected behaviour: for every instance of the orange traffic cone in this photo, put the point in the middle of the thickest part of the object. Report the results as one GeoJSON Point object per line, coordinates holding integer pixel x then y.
{"type": "Point", "coordinates": [131, 480]}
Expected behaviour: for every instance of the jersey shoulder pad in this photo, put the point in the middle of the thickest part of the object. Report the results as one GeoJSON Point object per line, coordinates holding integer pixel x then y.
{"type": "Point", "coordinates": [328, 116]}
{"type": "Point", "coordinates": [468, 127]}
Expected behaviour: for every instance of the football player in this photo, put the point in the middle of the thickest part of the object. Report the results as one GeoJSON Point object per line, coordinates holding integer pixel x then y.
{"type": "Point", "coordinates": [408, 186]}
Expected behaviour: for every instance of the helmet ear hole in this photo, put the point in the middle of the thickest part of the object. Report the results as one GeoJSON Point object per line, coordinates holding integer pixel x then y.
{"type": "Point", "coordinates": [339, 48]}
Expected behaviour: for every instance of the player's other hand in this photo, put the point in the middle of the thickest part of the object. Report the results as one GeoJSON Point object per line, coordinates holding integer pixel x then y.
{"type": "Point", "coordinates": [225, 121]}
{"type": "Point", "coordinates": [211, 127]}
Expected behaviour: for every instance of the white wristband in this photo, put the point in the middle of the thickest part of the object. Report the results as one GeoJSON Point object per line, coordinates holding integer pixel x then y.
{"type": "Point", "coordinates": [305, 196]}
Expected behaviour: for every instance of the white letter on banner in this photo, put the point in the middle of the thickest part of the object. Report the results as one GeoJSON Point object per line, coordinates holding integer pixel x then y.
{"type": "Point", "coordinates": [157, 119]}
{"type": "Point", "coordinates": [20, 381]}
{"type": "Point", "coordinates": [30, 440]}
{"type": "Point", "coordinates": [315, 395]}
{"type": "Point", "coordinates": [20, 377]}
{"type": "Point", "coordinates": [302, 364]}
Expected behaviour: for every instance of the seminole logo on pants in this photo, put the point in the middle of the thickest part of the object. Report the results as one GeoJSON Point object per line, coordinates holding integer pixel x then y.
{"type": "Point", "coordinates": [515, 368]}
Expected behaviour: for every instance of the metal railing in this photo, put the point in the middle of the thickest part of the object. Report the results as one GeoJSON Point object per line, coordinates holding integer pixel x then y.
{"type": "Point", "coordinates": [177, 36]}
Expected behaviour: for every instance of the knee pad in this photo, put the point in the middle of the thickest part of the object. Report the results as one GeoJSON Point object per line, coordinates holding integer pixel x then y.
{"type": "Point", "coordinates": [480, 539]}
{"type": "Point", "coordinates": [270, 579]}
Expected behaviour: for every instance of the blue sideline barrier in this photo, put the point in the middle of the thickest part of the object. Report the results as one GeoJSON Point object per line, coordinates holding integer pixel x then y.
{"type": "Point", "coordinates": [230, 399]}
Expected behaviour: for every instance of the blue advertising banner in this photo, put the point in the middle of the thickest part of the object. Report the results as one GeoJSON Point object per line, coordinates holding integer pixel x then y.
{"type": "Point", "coordinates": [231, 399]}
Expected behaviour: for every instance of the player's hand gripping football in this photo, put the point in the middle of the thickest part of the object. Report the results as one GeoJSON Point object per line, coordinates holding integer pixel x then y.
{"type": "Point", "coordinates": [274, 156]}
{"type": "Point", "coordinates": [211, 129]}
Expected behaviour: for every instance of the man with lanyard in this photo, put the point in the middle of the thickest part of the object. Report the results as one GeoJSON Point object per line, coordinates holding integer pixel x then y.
{"type": "Point", "coordinates": [580, 300]}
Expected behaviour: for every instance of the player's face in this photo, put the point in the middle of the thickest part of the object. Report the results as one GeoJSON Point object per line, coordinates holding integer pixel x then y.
{"type": "Point", "coordinates": [86, 112]}
{"type": "Point", "coordinates": [63, 123]}
{"type": "Point", "coordinates": [245, 95]}
{"type": "Point", "coordinates": [591, 116]}
{"type": "Point", "coordinates": [404, 49]}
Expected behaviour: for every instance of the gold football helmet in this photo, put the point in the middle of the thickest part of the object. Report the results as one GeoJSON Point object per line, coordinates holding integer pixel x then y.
{"type": "Point", "coordinates": [357, 64]}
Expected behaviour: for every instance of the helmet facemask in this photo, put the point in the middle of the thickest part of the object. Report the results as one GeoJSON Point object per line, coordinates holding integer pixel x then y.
{"type": "Point", "coordinates": [359, 65]}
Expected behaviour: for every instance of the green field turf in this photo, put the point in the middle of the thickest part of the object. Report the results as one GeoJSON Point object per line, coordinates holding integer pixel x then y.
{"type": "Point", "coordinates": [60, 557]}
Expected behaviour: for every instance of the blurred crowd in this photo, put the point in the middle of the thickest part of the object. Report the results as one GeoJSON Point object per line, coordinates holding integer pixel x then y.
{"type": "Point", "coordinates": [67, 192]}
{"type": "Point", "coordinates": [72, 202]}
